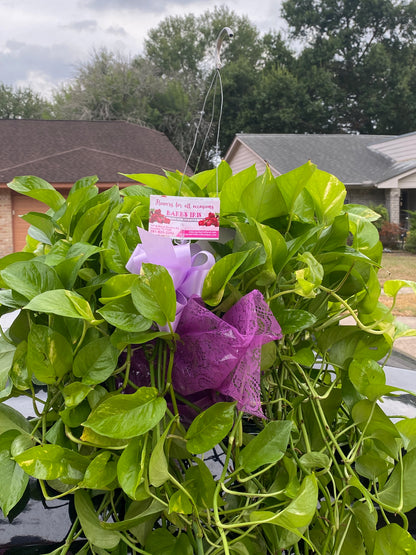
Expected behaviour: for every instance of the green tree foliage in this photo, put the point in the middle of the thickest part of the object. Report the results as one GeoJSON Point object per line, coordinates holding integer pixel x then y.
{"type": "Point", "coordinates": [22, 103]}
{"type": "Point", "coordinates": [107, 87]}
{"type": "Point", "coordinates": [368, 49]}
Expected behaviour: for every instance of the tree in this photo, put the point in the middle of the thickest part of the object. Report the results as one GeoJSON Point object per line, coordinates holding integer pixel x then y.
{"type": "Point", "coordinates": [365, 48]}
{"type": "Point", "coordinates": [107, 87]}
{"type": "Point", "coordinates": [22, 103]}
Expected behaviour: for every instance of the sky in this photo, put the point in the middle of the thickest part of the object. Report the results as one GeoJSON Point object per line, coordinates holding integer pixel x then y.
{"type": "Point", "coordinates": [42, 42]}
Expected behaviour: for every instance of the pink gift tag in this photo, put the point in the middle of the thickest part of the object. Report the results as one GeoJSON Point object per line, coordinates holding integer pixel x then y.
{"type": "Point", "coordinates": [184, 217]}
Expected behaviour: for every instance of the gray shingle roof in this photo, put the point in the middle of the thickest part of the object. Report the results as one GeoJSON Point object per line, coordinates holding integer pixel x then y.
{"type": "Point", "coordinates": [64, 151]}
{"type": "Point", "coordinates": [345, 156]}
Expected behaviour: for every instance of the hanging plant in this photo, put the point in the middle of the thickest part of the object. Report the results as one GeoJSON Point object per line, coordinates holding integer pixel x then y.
{"type": "Point", "coordinates": [144, 357]}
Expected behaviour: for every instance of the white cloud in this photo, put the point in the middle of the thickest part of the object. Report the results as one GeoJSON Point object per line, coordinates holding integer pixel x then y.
{"type": "Point", "coordinates": [42, 42]}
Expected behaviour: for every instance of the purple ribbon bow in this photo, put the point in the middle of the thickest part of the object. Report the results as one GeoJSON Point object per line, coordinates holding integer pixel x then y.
{"type": "Point", "coordinates": [186, 265]}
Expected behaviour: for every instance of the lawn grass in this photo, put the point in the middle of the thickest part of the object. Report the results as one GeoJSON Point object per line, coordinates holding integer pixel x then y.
{"type": "Point", "coordinates": [399, 265]}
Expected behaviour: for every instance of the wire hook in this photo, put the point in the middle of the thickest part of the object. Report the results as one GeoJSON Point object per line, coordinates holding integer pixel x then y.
{"type": "Point", "coordinates": [220, 39]}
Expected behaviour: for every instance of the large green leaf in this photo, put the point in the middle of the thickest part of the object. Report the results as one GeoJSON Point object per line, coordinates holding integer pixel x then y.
{"type": "Point", "coordinates": [49, 354]}
{"type": "Point", "coordinates": [63, 303]}
{"type": "Point", "coordinates": [267, 447]}
{"type": "Point", "coordinates": [158, 464]}
{"type": "Point", "coordinates": [11, 419]}
{"type": "Point", "coordinates": [7, 352]}
{"type": "Point", "coordinates": [400, 489]}
{"type": "Point", "coordinates": [122, 314]}
{"type": "Point", "coordinates": [127, 416]}
{"type": "Point", "coordinates": [90, 523]}
{"type": "Point", "coordinates": [328, 194]}
{"type": "Point", "coordinates": [42, 227]}
{"type": "Point", "coordinates": [30, 278]}
{"type": "Point", "coordinates": [96, 361]}
{"type": "Point", "coordinates": [233, 189]}
{"type": "Point", "coordinates": [14, 479]}
{"type": "Point", "coordinates": [292, 183]}
{"type": "Point", "coordinates": [49, 462]}
{"type": "Point", "coordinates": [298, 513]}
{"type": "Point", "coordinates": [153, 294]}
{"type": "Point", "coordinates": [369, 378]}
{"type": "Point", "coordinates": [131, 466]}
{"type": "Point", "coordinates": [75, 257]}
{"type": "Point", "coordinates": [162, 542]}
{"type": "Point", "coordinates": [39, 189]}
{"type": "Point", "coordinates": [82, 191]}
{"type": "Point", "coordinates": [394, 540]}
{"type": "Point", "coordinates": [210, 427]}
{"type": "Point", "coordinates": [219, 275]}
{"type": "Point", "coordinates": [262, 199]}
{"type": "Point", "coordinates": [101, 471]}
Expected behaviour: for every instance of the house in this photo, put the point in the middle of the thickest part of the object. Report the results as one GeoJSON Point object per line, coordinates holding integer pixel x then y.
{"type": "Point", "coordinates": [61, 152]}
{"type": "Point", "coordinates": [376, 169]}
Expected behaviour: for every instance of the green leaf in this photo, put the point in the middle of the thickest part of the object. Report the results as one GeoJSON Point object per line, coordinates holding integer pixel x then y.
{"type": "Point", "coordinates": [154, 294]}
{"type": "Point", "coordinates": [96, 361]}
{"type": "Point", "coordinates": [366, 521]}
{"type": "Point", "coordinates": [314, 460]}
{"type": "Point", "coordinates": [117, 286]}
{"type": "Point", "coordinates": [328, 194]}
{"type": "Point", "coordinates": [39, 189]}
{"type": "Point", "coordinates": [74, 393]}
{"type": "Point", "coordinates": [14, 479]}
{"type": "Point", "coordinates": [77, 197]}
{"type": "Point", "coordinates": [179, 502]}
{"type": "Point", "coordinates": [122, 314]}
{"type": "Point", "coordinates": [63, 303]}
{"type": "Point", "coordinates": [101, 471]}
{"type": "Point", "coordinates": [400, 489]}
{"type": "Point", "coordinates": [90, 523]}
{"type": "Point", "coordinates": [49, 355]}
{"type": "Point", "coordinates": [298, 513]}
{"type": "Point", "coordinates": [394, 540]}
{"type": "Point", "coordinates": [292, 183]}
{"type": "Point", "coordinates": [219, 275]}
{"type": "Point", "coordinates": [42, 227]}
{"type": "Point", "coordinates": [7, 352]}
{"type": "Point", "coordinates": [369, 416]}
{"type": "Point", "coordinates": [308, 279]}
{"type": "Point", "coordinates": [75, 257]}
{"type": "Point", "coordinates": [262, 199]}
{"type": "Point", "coordinates": [294, 320]}
{"type": "Point", "coordinates": [233, 189]}
{"type": "Point", "coordinates": [158, 182]}
{"type": "Point", "coordinates": [407, 429]}
{"type": "Point", "coordinates": [210, 427]}
{"type": "Point", "coordinates": [11, 419]}
{"type": "Point", "coordinates": [131, 466]}
{"type": "Point", "coordinates": [267, 447]}
{"type": "Point", "coordinates": [158, 464]}
{"type": "Point", "coordinates": [162, 542]}
{"type": "Point", "coordinates": [30, 278]}
{"type": "Point", "coordinates": [369, 379]}
{"type": "Point", "coordinates": [127, 416]}
{"type": "Point", "coordinates": [49, 462]}
{"type": "Point", "coordinates": [137, 513]}
{"type": "Point", "coordinates": [90, 220]}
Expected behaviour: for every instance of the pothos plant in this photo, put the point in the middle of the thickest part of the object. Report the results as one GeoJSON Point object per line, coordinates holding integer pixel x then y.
{"type": "Point", "coordinates": [315, 467]}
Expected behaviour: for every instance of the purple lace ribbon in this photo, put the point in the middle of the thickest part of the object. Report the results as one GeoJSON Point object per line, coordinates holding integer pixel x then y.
{"type": "Point", "coordinates": [223, 354]}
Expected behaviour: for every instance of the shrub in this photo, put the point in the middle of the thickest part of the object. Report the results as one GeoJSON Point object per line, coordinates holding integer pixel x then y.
{"type": "Point", "coordinates": [391, 235]}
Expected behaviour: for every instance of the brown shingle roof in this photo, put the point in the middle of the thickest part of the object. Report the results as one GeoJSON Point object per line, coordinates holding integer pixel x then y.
{"type": "Point", "coordinates": [63, 151]}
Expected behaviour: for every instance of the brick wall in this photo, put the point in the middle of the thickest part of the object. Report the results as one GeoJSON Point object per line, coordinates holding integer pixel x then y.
{"type": "Point", "coordinates": [6, 226]}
